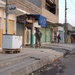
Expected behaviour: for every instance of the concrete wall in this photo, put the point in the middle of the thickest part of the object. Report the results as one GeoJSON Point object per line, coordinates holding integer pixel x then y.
{"type": "Point", "coordinates": [60, 28]}
{"type": "Point", "coordinates": [36, 2]}
{"type": "Point", "coordinates": [70, 27]}
{"type": "Point", "coordinates": [11, 24]}
{"type": "Point", "coordinates": [73, 28]}
{"type": "Point", "coordinates": [55, 29]}
{"type": "Point", "coordinates": [57, 7]}
{"type": "Point", "coordinates": [61, 32]}
{"type": "Point", "coordinates": [50, 17]}
{"type": "Point", "coordinates": [26, 6]}
{"type": "Point", "coordinates": [11, 16]}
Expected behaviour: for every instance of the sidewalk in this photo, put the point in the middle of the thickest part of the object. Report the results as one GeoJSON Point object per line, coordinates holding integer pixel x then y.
{"type": "Point", "coordinates": [60, 46]}
{"type": "Point", "coordinates": [27, 61]}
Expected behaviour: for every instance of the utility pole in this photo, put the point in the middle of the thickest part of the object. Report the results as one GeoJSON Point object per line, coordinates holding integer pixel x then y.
{"type": "Point", "coordinates": [6, 17]}
{"type": "Point", "coordinates": [65, 26]}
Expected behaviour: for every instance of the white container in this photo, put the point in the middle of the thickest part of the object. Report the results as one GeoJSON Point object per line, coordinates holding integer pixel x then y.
{"type": "Point", "coordinates": [11, 42]}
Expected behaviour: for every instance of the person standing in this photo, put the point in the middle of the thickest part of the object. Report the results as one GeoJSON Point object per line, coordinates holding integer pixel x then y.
{"type": "Point", "coordinates": [38, 36]}
{"type": "Point", "coordinates": [59, 38]}
{"type": "Point", "coordinates": [55, 37]}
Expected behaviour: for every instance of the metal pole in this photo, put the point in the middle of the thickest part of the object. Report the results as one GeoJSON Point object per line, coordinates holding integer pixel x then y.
{"type": "Point", "coordinates": [6, 17]}
{"type": "Point", "coordinates": [45, 35]}
{"type": "Point", "coordinates": [65, 27]}
{"type": "Point", "coordinates": [32, 33]}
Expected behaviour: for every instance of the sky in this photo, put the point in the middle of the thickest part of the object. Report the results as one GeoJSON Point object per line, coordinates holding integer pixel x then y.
{"type": "Point", "coordinates": [70, 11]}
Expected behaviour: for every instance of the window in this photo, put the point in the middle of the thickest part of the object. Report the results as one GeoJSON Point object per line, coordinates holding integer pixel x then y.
{"type": "Point", "coordinates": [51, 6]}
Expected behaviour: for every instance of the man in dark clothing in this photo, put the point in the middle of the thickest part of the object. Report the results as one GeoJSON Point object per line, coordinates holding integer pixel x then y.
{"type": "Point", "coordinates": [59, 38]}
{"type": "Point", "coordinates": [38, 36]}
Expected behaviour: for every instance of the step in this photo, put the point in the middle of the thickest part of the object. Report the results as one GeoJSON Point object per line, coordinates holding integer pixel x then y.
{"type": "Point", "coordinates": [16, 59]}
{"type": "Point", "coordinates": [25, 63]}
{"type": "Point", "coordinates": [7, 61]}
{"type": "Point", "coordinates": [15, 68]}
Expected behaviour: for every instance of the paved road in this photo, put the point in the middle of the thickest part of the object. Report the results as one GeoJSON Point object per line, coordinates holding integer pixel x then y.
{"type": "Point", "coordinates": [65, 66]}
{"type": "Point", "coordinates": [69, 63]}
{"type": "Point", "coordinates": [31, 59]}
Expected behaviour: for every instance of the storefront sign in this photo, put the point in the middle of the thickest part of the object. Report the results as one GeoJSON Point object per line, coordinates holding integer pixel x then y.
{"type": "Point", "coordinates": [11, 9]}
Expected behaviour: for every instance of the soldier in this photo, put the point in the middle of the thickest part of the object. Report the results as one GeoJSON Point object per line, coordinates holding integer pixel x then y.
{"type": "Point", "coordinates": [59, 38]}
{"type": "Point", "coordinates": [38, 36]}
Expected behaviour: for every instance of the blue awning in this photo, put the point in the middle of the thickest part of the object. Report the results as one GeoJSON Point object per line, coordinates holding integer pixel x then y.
{"type": "Point", "coordinates": [41, 19]}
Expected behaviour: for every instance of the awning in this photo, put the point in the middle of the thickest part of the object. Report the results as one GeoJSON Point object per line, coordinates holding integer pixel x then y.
{"type": "Point", "coordinates": [41, 19]}
{"type": "Point", "coordinates": [54, 24]}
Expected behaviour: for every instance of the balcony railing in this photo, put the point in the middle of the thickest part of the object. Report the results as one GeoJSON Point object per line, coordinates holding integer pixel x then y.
{"type": "Point", "coordinates": [26, 6]}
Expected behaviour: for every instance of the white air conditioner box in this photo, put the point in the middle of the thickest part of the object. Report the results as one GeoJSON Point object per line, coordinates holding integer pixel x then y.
{"type": "Point", "coordinates": [11, 42]}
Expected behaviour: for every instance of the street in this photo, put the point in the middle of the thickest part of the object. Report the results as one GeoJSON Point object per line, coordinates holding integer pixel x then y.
{"type": "Point", "coordinates": [64, 66]}
{"type": "Point", "coordinates": [50, 59]}
{"type": "Point", "coordinates": [37, 37]}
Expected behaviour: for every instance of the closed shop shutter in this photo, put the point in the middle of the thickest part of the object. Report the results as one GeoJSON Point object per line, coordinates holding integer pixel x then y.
{"type": "Point", "coordinates": [4, 27]}
{"type": "Point", "coordinates": [62, 36]}
{"type": "Point", "coordinates": [28, 36]}
{"type": "Point", "coordinates": [43, 34]}
{"type": "Point", "coordinates": [20, 30]}
{"type": "Point", "coordinates": [47, 35]}
{"type": "Point", "coordinates": [10, 27]}
{"type": "Point", "coordinates": [0, 34]}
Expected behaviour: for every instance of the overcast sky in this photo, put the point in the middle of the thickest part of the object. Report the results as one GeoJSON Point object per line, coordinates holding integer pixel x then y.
{"type": "Point", "coordinates": [70, 11]}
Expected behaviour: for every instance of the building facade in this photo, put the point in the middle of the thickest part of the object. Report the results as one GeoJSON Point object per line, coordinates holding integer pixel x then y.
{"type": "Point", "coordinates": [24, 27]}
{"type": "Point", "coordinates": [50, 11]}
{"type": "Point", "coordinates": [70, 34]}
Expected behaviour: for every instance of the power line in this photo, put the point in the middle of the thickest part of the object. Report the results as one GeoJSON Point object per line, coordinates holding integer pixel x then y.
{"type": "Point", "coordinates": [72, 12]}
{"type": "Point", "coordinates": [70, 7]}
{"type": "Point", "coordinates": [72, 3]}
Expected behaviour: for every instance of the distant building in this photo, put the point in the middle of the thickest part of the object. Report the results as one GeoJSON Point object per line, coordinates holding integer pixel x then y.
{"type": "Point", "coordinates": [70, 33]}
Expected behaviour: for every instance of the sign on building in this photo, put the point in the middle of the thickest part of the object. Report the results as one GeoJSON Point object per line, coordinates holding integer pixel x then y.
{"type": "Point", "coordinates": [11, 9]}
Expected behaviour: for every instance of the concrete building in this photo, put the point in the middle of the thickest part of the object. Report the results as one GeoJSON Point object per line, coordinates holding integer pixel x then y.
{"type": "Point", "coordinates": [61, 32]}
{"type": "Point", "coordinates": [46, 8]}
{"type": "Point", "coordinates": [70, 34]}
